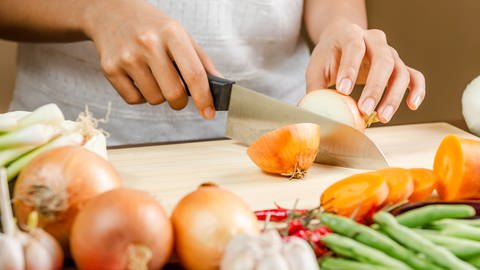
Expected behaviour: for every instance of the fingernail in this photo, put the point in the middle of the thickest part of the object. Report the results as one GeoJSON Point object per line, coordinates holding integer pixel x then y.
{"type": "Point", "coordinates": [368, 106]}
{"type": "Point", "coordinates": [345, 86]}
{"type": "Point", "coordinates": [209, 113]}
{"type": "Point", "coordinates": [416, 101]}
{"type": "Point", "coordinates": [387, 113]}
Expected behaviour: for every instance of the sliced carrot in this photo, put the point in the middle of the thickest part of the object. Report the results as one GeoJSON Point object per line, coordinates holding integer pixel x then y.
{"type": "Point", "coordinates": [359, 194]}
{"type": "Point", "coordinates": [424, 182]}
{"type": "Point", "coordinates": [457, 167]}
{"type": "Point", "coordinates": [400, 184]}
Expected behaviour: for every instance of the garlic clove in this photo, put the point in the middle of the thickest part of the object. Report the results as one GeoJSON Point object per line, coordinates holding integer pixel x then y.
{"type": "Point", "coordinates": [241, 253]}
{"type": "Point", "coordinates": [243, 258]}
{"type": "Point", "coordinates": [270, 241]}
{"type": "Point", "coordinates": [288, 151]}
{"type": "Point", "coordinates": [299, 254]}
{"type": "Point", "coordinates": [273, 260]}
{"type": "Point", "coordinates": [36, 256]}
{"type": "Point", "coordinates": [53, 248]}
{"type": "Point", "coordinates": [11, 253]}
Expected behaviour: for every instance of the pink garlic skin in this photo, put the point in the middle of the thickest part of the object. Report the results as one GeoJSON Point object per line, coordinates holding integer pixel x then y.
{"type": "Point", "coordinates": [11, 253]}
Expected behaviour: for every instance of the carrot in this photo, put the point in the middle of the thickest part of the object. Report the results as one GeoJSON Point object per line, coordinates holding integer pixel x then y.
{"type": "Point", "coordinates": [457, 167]}
{"type": "Point", "coordinates": [424, 182]}
{"type": "Point", "coordinates": [358, 194]}
{"type": "Point", "coordinates": [400, 184]}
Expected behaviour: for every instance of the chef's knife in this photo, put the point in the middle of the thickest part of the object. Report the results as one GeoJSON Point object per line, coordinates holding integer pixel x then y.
{"type": "Point", "coordinates": [252, 114]}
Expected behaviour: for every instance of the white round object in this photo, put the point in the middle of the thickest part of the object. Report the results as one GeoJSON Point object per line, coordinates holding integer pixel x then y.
{"type": "Point", "coordinates": [471, 105]}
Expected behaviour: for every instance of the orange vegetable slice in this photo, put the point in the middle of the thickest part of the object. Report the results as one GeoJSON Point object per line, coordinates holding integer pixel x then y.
{"type": "Point", "coordinates": [457, 167]}
{"type": "Point", "coordinates": [400, 184]}
{"type": "Point", "coordinates": [360, 194]}
{"type": "Point", "coordinates": [424, 182]}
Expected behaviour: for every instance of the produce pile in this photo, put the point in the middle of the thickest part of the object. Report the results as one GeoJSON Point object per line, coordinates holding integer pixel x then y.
{"type": "Point", "coordinates": [69, 202]}
{"type": "Point", "coordinates": [430, 237]}
{"type": "Point", "coordinates": [24, 135]}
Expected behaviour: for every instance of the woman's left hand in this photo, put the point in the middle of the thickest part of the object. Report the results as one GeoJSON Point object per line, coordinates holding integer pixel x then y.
{"type": "Point", "coordinates": [347, 54]}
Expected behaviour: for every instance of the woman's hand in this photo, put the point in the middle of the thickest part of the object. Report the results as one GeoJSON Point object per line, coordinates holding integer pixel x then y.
{"type": "Point", "coordinates": [347, 54]}
{"type": "Point", "coordinates": [138, 44]}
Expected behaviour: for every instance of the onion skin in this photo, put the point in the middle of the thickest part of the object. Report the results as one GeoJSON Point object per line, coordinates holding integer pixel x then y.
{"type": "Point", "coordinates": [69, 177]}
{"type": "Point", "coordinates": [287, 151]}
{"type": "Point", "coordinates": [204, 221]}
{"type": "Point", "coordinates": [315, 100]}
{"type": "Point", "coordinates": [114, 222]}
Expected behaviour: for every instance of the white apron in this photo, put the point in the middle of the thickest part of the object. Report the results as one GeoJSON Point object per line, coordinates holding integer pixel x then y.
{"type": "Point", "coordinates": [256, 43]}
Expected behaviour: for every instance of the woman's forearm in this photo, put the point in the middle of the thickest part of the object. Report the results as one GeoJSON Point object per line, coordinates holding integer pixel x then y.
{"type": "Point", "coordinates": [319, 13]}
{"type": "Point", "coordinates": [43, 20]}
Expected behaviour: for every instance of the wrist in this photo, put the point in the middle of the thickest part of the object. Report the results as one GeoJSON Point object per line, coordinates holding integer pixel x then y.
{"type": "Point", "coordinates": [89, 14]}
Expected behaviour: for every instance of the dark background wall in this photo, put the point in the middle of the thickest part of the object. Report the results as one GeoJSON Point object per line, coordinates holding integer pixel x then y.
{"type": "Point", "coordinates": [441, 38]}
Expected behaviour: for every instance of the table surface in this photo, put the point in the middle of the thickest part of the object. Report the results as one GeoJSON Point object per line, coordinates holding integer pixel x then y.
{"type": "Point", "coordinates": [171, 171]}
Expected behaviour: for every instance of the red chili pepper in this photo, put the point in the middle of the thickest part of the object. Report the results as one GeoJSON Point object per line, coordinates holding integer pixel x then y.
{"type": "Point", "coordinates": [316, 240]}
{"type": "Point", "coordinates": [277, 214]}
{"type": "Point", "coordinates": [302, 233]}
{"type": "Point", "coordinates": [295, 226]}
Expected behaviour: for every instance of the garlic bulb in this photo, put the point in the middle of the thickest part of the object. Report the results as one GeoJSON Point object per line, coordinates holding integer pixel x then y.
{"type": "Point", "coordinates": [471, 105]}
{"type": "Point", "coordinates": [268, 251]}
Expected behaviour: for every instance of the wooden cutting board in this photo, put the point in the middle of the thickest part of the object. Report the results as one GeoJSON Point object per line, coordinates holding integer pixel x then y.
{"type": "Point", "coordinates": [171, 171]}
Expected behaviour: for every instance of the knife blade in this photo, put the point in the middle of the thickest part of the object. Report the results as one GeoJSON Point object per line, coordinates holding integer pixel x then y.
{"type": "Point", "coordinates": [252, 114]}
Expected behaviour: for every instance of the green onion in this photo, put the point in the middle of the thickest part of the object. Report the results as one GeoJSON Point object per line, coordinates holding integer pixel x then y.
{"type": "Point", "coordinates": [46, 114]}
{"type": "Point", "coordinates": [36, 134]}
{"type": "Point", "coordinates": [69, 139]}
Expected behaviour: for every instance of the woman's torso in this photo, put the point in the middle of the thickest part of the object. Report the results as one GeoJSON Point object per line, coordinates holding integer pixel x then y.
{"type": "Point", "coordinates": [256, 43]}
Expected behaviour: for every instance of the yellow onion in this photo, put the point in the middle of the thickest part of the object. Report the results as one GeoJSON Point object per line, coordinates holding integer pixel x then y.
{"type": "Point", "coordinates": [287, 151]}
{"type": "Point", "coordinates": [204, 221]}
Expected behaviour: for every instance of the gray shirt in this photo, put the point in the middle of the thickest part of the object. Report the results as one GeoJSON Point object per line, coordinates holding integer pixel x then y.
{"type": "Point", "coordinates": [257, 43]}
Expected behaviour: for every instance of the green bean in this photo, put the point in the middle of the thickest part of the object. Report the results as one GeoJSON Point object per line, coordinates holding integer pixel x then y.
{"type": "Point", "coordinates": [453, 228]}
{"type": "Point", "coordinates": [462, 248]}
{"type": "Point", "coordinates": [343, 264]}
{"type": "Point", "coordinates": [347, 247]}
{"type": "Point", "coordinates": [414, 241]}
{"type": "Point", "coordinates": [475, 261]}
{"type": "Point", "coordinates": [471, 222]}
{"type": "Point", "coordinates": [430, 213]}
{"type": "Point", "coordinates": [375, 239]}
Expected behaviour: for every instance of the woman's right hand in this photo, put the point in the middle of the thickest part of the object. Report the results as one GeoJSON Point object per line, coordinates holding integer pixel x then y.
{"type": "Point", "coordinates": [137, 44]}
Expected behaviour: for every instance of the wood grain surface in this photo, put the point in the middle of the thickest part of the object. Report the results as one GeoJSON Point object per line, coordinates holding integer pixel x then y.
{"type": "Point", "coordinates": [171, 171]}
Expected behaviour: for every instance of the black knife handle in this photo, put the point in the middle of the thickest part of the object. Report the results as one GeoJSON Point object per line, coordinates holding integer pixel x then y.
{"type": "Point", "coordinates": [220, 88]}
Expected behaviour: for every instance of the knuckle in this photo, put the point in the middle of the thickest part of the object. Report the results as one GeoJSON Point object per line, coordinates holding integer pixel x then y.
{"type": "Point", "coordinates": [171, 28]}
{"type": "Point", "coordinates": [357, 45]}
{"type": "Point", "coordinates": [175, 95]}
{"type": "Point", "coordinates": [356, 30]}
{"type": "Point", "coordinates": [378, 34]}
{"type": "Point", "coordinates": [134, 99]}
{"type": "Point", "coordinates": [129, 58]}
{"type": "Point", "coordinates": [403, 74]}
{"type": "Point", "coordinates": [195, 75]}
{"type": "Point", "coordinates": [109, 68]}
{"type": "Point", "coordinates": [419, 75]}
{"type": "Point", "coordinates": [149, 40]}
{"type": "Point", "coordinates": [394, 52]}
{"type": "Point", "coordinates": [156, 100]}
{"type": "Point", "coordinates": [177, 104]}
{"type": "Point", "coordinates": [386, 59]}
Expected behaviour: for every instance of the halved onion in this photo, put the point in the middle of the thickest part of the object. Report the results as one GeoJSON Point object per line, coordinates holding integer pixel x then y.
{"type": "Point", "coordinates": [287, 151]}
